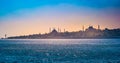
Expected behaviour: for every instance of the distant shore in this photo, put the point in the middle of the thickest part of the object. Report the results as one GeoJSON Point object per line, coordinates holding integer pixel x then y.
{"type": "Point", "coordinates": [89, 33]}
{"type": "Point", "coordinates": [69, 38]}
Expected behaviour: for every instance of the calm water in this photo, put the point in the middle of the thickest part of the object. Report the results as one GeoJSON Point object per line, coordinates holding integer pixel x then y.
{"type": "Point", "coordinates": [60, 51]}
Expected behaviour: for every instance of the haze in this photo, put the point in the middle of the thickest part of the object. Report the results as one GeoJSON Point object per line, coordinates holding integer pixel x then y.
{"type": "Point", "coordinates": [23, 17]}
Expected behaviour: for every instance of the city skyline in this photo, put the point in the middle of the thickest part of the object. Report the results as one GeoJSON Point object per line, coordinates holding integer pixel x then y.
{"type": "Point", "coordinates": [36, 16]}
{"type": "Point", "coordinates": [89, 32]}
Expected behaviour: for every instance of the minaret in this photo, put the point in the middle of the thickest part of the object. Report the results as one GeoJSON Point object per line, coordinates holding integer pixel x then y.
{"type": "Point", "coordinates": [58, 30]}
{"type": "Point", "coordinates": [64, 30]}
{"type": "Point", "coordinates": [5, 36]}
{"type": "Point", "coordinates": [83, 27]}
{"type": "Point", "coordinates": [49, 29]}
{"type": "Point", "coordinates": [98, 27]}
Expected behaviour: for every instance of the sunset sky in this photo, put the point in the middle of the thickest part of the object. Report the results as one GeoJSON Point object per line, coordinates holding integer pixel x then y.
{"type": "Point", "coordinates": [23, 17]}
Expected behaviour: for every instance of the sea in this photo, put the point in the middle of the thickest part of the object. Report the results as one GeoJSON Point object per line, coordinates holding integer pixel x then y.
{"type": "Point", "coordinates": [59, 50]}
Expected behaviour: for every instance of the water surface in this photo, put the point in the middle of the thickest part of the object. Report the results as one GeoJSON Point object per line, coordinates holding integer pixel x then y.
{"type": "Point", "coordinates": [60, 51]}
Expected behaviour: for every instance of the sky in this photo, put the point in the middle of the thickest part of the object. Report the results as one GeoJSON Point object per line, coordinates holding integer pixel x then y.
{"type": "Point", "coordinates": [24, 17]}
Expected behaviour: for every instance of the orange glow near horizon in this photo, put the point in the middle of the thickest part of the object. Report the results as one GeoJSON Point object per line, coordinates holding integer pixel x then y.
{"type": "Point", "coordinates": [63, 16]}
{"type": "Point", "coordinates": [22, 28]}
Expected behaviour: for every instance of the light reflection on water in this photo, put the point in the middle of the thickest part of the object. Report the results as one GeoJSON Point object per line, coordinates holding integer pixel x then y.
{"type": "Point", "coordinates": [60, 41]}
{"type": "Point", "coordinates": [60, 51]}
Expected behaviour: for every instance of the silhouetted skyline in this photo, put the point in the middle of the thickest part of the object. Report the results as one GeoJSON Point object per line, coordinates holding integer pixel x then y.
{"type": "Point", "coordinates": [24, 17]}
{"type": "Point", "coordinates": [90, 32]}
